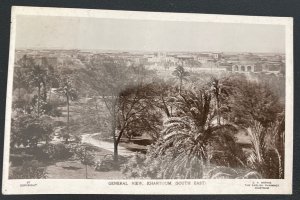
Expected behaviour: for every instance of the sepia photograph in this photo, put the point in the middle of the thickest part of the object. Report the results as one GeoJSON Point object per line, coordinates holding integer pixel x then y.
{"type": "Point", "coordinates": [137, 100]}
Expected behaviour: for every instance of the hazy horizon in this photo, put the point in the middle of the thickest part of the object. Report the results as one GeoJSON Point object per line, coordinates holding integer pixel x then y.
{"type": "Point", "coordinates": [141, 51]}
{"type": "Point", "coordinates": [94, 34]}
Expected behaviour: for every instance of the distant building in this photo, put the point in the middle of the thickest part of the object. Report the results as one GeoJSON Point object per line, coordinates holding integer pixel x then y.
{"type": "Point", "coordinates": [162, 59]}
{"type": "Point", "coordinates": [246, 66]}
{"type": "Point", "coordinates": [257, 67]}
{"type": "Point", "coordinates": [241, 67]}
{"type": "Point", "coordinates": [207, 57]}
{"type": "Point", "coordinates": [273, 66]}
{"type": "Point", "coordinates": [184, 59]}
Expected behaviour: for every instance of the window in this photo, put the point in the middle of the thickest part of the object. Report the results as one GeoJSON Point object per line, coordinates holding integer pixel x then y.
{"type": "Point", "coordinates": [249, 68]}
{"type": "Point", "coordinates": [235, 68]}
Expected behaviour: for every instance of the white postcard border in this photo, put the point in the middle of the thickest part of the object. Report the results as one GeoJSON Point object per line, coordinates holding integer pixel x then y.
{"type": "Point", "coordinates": [203, 186]}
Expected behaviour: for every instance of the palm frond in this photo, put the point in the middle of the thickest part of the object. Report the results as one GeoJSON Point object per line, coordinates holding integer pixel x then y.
{"type": "Point", "coordinates": [252, 175]}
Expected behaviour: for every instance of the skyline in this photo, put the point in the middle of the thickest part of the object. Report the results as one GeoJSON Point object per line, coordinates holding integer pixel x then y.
{"type": "Point", "coordinates": [141, 35]}
{"type": "Point", "coordinates": [140, 51]}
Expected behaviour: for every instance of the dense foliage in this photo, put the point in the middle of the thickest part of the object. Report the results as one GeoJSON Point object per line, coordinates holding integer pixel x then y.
{"type": "Point", "coordinates": [194, 120]}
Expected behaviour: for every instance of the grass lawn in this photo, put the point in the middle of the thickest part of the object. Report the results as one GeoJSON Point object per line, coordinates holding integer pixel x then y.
{"type": "Point", "coordinates": [76, 170]}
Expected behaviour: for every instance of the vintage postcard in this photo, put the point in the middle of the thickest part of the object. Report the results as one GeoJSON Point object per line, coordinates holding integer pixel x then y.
{"type": "Point", "coordinates": [126, 102]}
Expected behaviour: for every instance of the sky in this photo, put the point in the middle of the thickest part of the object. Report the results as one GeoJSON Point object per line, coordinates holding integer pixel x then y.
{"type": "Point", "coordinates": [145, 35]}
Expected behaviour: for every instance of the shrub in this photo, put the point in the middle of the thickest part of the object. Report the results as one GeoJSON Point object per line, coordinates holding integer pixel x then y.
{"type": "Point", "coordinates": [51, 110]}
{"type": "Point", "coordinates": [135, 166]}
{"type": "Point", "coordinates": [19, 158]}
{"type": "Point", "coordinates": [59, 123]}
{"type": "Point", "coordinates": [29, 170]}
{"type": "Point", "coordinates": [83, 153]}
{"type": "Point", "coordinates": [106, 164]}
{"type": "Point", "coordinates": [54, 152]}
{"type": "Point", "coordinates": [28, 130]}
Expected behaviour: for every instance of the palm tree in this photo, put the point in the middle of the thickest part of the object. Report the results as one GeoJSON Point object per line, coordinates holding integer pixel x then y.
{"type": "Point", "coordinates": [216, 91]}
{"type": "Point", "coordinates": [190, 141]}
{"type": "Point", "coordinates": [194, 148]}
{"type": "Point", "coordinates": [68, 90]}
{"type": "Point", "coordinates": [220, 94]}
{"type": "Point", "coordinates": [181, 74]}
{"type": "Point", "coordinates": [222, 172]}
{"type": "Point", "coordinates": [267, 155]}
{"type": "Point", "coordinates": [37, 78]}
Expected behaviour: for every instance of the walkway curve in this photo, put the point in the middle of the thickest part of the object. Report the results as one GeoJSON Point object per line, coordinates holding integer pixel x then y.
{"type": "Point", "coordinates": [89, 139]}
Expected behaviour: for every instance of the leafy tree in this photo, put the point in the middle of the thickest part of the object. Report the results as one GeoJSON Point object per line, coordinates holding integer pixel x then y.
{"type": "Point", "coordinates": [37, 106]}
{"type": "Point", "coordinates": [85, 154]}
{"type": "Point", "coordinates": [181, 74]}
{"type": "Point", "coordinates": [28, 130]}
{"type": "Point", "coordinates": [250, 100]}
{"type": "Point", "coordinates": [21, 83]}
{"type": "Point", "coordinates": [137, 112]}
{"type": "Point", "coordinates": [51, 80]}
{"type": "Point", "coordinates": [68, 90]}
{"type": "Point", "coordinates": [119, 87]}
{"type": "Point", "coordinates": [94, 117]}
{"type": "Point", "coordinates": [164, 95]}
{"type": "Point", "coordinates": [29, 75]}
{"type": "Point", "coordinates": [20, 80]}
{"type": "Point", "coordinates": [107, 79]}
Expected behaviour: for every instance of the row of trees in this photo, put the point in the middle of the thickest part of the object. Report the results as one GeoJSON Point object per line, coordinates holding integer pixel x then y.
{"type": "Point", "coordinates": [32, 105]}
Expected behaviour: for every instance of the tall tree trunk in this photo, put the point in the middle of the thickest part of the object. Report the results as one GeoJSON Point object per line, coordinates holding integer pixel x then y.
{"type": "Point", "coordinates": [68, 113]}
{"type": "Point", "coordinates": [50, 92]}
{"type": "Point", "coordinates": [86, 166]}
{"type": "Point", "coordinates": [19, 93]}
{"type": "Point", "coordinates": [39, 94]}
{"type": "Point", "coordinates": [44, 91]}
{"type": "Point", "coordinates": [113, 133]}
{"type": "Point", "coordinates": [165, 107]}
{"type": "Point", "coordinates": [218, 113]}
{"type": "Point", "coordinates": [180, 86]}
{"type": "Point", "coordinates": [116, 155]}
{"type": "Point", "coordinates": [218, 107]}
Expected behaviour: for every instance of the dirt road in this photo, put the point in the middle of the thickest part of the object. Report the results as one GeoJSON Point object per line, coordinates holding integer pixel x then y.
{"type": "Point", "coordinates": [88, 138]}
